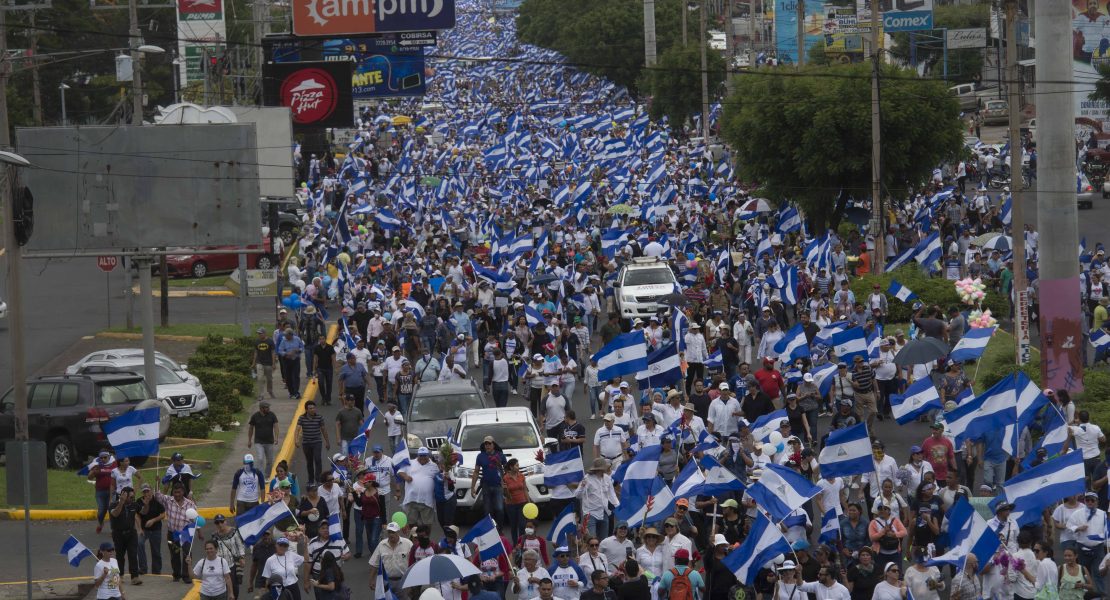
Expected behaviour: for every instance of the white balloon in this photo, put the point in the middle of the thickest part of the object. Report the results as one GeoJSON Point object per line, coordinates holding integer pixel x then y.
{"type": "Point", "coordinates": [191, 514]}
{"type": "Point", "coordinates": [775, 438]}
{"type": "Point", "coordinates": [313, 517]}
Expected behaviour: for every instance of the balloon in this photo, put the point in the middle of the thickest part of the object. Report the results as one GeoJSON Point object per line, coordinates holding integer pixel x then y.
{"type": "Point", "coordinates": [400, 519]}
{"type": "Point", "coordinates": [200, 521]}
{"type": "Point", "coordinates": [775, 438]}
{"type": "Point", "coordinates": [531, 511]}
{"type": "Point", "coordinates": [191, 514]}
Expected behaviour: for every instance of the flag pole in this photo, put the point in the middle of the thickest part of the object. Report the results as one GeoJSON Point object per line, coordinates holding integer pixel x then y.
{"type": "Point", "coordinates": [501, 541]}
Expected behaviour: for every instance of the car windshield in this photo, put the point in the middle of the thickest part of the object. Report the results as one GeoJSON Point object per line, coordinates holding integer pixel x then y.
{"type": "Point", "coordinates": [648, 277]}
{"type": "Point", "coordinates": [163, 375]}
{"type": "Point", "coordinates": [996, 105]}
{"type": "Point", "coordinates": [442, 408]}
{"type": "Point", "coordinates": [508, 435]}
{"type": "Point", "coordinates": [121, 393]}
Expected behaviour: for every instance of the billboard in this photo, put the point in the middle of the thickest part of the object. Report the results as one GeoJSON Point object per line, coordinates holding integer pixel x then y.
{"type": "Point", "coordinates": [114, 189]}
{"type": "Point", "coordinates": [274, 128]}
{"type": "Point", "coordinates": [384, 66]}
{"type": "Point", "coordinates": [907, 15]}
{"type": "Point", "coordinates": [786, 27]}
{"type": "Point", "coordinates": [330, 18]}
{"type": "Point", "coordinates": [1090, 49]}
{"type": "Point", "coordinates": [318, 94]}
{"type": "Point", "coordinates": [200, 25]}
{"type": "Point", "coordinates": [966, 38]}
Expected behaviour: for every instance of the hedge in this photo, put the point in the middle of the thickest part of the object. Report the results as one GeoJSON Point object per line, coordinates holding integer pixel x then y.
{"type": "Point", "coordinates": [223, 369]}
{"type": "Point", "coordinates": [930, 290]}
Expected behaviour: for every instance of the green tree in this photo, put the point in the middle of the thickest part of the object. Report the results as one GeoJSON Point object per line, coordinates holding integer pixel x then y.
{"type": "Point", "coordinates": [1102, 86]}
{"type": "Point", "coordinates": [807, 136]}
{"type": "Point", "coordinates": [675, 83]}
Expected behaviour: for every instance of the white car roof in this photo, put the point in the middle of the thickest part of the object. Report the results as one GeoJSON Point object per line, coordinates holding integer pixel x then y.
{"type": "Point", "coordinates": [483, 416]}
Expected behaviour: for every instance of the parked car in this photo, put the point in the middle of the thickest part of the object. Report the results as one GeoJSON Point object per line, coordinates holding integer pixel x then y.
{"type": "Point", "coordinates": [66, 412]}
{"type": "Point", "coordinates": [1085, 193]}
{"type": "Point", "coordinates": [995, 112]}
{"type": "Point", "coordinates": [971, 98]}
{"type": "Point", "coordinates": [640, 284]}
{"type": "Point", "coordinates": [116, 353]}
{"type": "Point", "coordinates": [516, 432]}
{"type": "Point", "coordinates": [201, 264]}
{"type": "Point", "coordinates": [435, 407]}
{"type": "Point", "coordinates": [180, 397]}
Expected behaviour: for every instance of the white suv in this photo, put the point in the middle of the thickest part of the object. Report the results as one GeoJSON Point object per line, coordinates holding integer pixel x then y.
{"type": "Point", "coordinates": [518, 436]}
{"type": "Point", "coordinates": [181, 397]}
{"type": "Point", "coordinates": [640, 284]}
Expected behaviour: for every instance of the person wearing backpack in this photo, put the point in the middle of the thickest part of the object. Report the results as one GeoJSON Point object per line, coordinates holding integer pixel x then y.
{"type": "Point", "coordinates": [681, 582]}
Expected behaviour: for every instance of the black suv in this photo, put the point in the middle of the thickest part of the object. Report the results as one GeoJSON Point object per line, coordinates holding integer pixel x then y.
{"type": "Point", "coordinates": [66, 411]}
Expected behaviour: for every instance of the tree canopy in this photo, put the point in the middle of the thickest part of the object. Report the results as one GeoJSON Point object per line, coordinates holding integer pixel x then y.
{"type": "Point", "coordinates": [806, 136]}
{"type": "Point", "coordinates": [675, 83]}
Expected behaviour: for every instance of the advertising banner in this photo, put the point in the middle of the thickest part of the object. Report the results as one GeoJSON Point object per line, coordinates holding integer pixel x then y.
{"type": "Point", "coordinates": [966, 38]}
{"type": "Point", "coordinates": [786, 28]}
{"type": "Point", "coordinates": [1090, 49]}
{"type": "Point", "coordinates": [907, 15]}
{"type": "Point", "coordinates": [200, 24]}
{"type": "Point", "coordinates": [318, 94]}
{"type": "Point", "coordinates": [383, 67]}
{"type": "Point", "coordinates": [330, 18]}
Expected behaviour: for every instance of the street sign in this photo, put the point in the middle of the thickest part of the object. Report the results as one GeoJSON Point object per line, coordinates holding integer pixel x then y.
{"type": "Point", "coordinates": [260, 282]}
{"type": "Point", "coordinates": [416, 39]}
{"type": "Point", "coordinates": [332, 18]}
{"type": "Point", "coordinates": [107, 263]}
{"type": "Point", "coordinates": [1021, 328]}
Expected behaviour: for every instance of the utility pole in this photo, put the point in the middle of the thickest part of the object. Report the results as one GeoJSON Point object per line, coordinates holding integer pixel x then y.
{"type": "Point", "coordinates": [1017, 209]}
{"type": "Point", "coordinates": [259, 9]}
{"type": "Point", "coordinates": [751, 34]}
{"type": "Point", "coordinates": [136, 69]}
{"type": "Point", "coordinates": [1060, 324]}
{"type": "Point", "coordinates": [729, 43]}
{"type": "Point", "coordinates": [878, 231]}
{"type": "Point", "coordinates": [36, 91]}
{"type": "Point", "coordinates": [685, 9]}
{"type": "Point", "coordinates": [801, 5]}
{"type": "Point", "coordinates": [704, 77]}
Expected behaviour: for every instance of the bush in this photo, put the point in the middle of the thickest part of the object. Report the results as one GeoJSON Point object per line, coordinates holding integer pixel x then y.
{"type": "Point", "coordinates": [1004, 368]}
{"type": "Point", "coordinates": [1096, 387]}
{"type": "Point", "coordinates": [930, 290]}
{"type": "Point", "coordinates": [221, 416]}
{"type": "Point", "coordinates": [224, 372]}
{"type": "Point", "coordinates": [193, 426]}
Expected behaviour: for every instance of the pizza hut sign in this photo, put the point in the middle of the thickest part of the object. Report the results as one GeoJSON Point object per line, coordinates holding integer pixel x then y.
{"type": "Point", "coordinates": [318, 94]}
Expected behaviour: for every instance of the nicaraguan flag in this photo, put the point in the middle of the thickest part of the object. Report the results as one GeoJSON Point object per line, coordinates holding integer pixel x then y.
{"type": "Point", "coordinates": [823, 377]}
{"type": "Point", "coordinates": [789, 220]}
{"type": "Point", "coordinates": [400, 457]}
{"type": "Point", "coordinates": [824, 336]}
{"type": "Point", "coordinates": [416, 308]}
{"type": "Point", "coordinates": [1055, 434]}
{"type": "Point", "coordinates": [830, 525]}
{"type": "Point", "coordinates": [929, 251]}
{"type": "Point", "coordinates": [973, 344]}
{"type": "Point", "coordinates": [781, 491]}
{"type": "Point", "coordinates": [689, 481]}
{"type": "Point", "coordinates": [387, 220]}
{"type": "Point", "coordinates": [920, 398]}
{"type": "Point", "coordinates": [793, 345]}
{"type": "Point", "coordinates": [900, 291]}
{"type": "Point", "coordinates": [763, 426]}
{"type": "Point", "coordinates": [1044, 485]}
{"type": "Point", "coordinates": [1029, 401]}
{"type": "Point", "coordinates": [533, 316]}
{"type": "Point", "coordinates": [484, 534]}
{"type": "Point", "coordinates": [718, 480]}
{"type": "Point", "coordinates": [638, 480]}
{"type": "Point", "coordinates": [715, 360]}
{"type": "Point", "coordinates": [1100, 339]}
{"type": "Point", "coordinates": [563, 468]}
{"type": "Point", "coordinates": [785, 279]}
{"type": "Point", "coordinates": [993, 409]}
{"type": "Point", "coordinates": [706, 442]}
{"type": "Point", "coordinates": [847, 452]}
{"type": "Point", "coordinates": [335, 528]}
{"type": "Point", "coordinates": [967, 534]}
{"type": "Point", "coordinates": [664, 368]}
{"type": "Point", "coordinates": [259, 519]}
{"type": "Point", "coordinates": [680, 324]}
{"type": "Point", "coordinates": [850, 343]}
{"type": "Point", "coordinates": [658, 505]}
{"type": "Point", "coordinates": [563, 525]}
{"type": "Point", "coordinates": [624, 355]}
{"type": "Point", "coordinates": [75, 551]}
{"type": "Point", "coordinates": [133, 433]}
{"type": "Point", "coordinates": [763, 543]}
{"type": "Point", "coordinates": [905, 257]}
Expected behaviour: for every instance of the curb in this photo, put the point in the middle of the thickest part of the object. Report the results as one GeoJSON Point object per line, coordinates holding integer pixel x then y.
{"type": "Point", "coordinates": [204, 292]}
{"type": "Point", "coordinates": [284, 453]}
{"type": "Point", "coordinates": [122, 335]}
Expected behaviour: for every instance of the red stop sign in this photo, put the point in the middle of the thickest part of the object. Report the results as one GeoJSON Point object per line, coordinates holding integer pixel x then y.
{"type": "Point", "coordinates": [107, 263]}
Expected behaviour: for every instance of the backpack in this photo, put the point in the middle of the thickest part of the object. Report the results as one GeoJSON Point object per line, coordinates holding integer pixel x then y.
{"type": "Point", "coordinates": [681, 588]}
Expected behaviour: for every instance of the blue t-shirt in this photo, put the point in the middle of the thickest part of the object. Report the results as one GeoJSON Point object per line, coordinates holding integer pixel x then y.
{"type": "Point", "coordinates": [491, 465]}
{"type": "Point", "coordinates": [485, 595]}
{"type": "Point", "coordinates": [353, 377]}
{"type": "Point", "coordinates": [992, 446]}
{"type": "Point", "coordinates": [695, 580]}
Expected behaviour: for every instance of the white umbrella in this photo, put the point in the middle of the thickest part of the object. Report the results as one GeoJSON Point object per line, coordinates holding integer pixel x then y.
{"type": "Point", "coordinates": [437, 568]}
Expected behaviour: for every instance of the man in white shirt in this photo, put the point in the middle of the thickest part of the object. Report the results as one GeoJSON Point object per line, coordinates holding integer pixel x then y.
{"type": "Point", "coordinates": [1087, 438]}
{"type": "Point", "coordinates": [744, 334]}
{"type": "Point", "coordinates": [596, 495]}
{"type": "Point", "coordinates": [696, 354]}
{"type": "Point", "coordinates": [724, 413]}
{"type": "Point", "coordinates": [1088, 524]}
{"type": "Point", "coordinates": [554, 410]}
{"type": "Point", "coordinates": [610, 441]}
{"type": "Point", "coordinates": [419, 478]}
{"type": "Point", "coordinates": [617, 547]}
{"type": "Point", "coordinates": [885, 468]}
{"type": "Point", "coordinates": [673, 541]}
{"type": "Point", "coordinates": [826, 587]}
{"type": "Point", "coordinates": [886, 376]}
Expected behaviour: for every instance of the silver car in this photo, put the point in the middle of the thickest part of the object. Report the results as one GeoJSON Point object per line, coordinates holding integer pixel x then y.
{"type": "Point", "coordinates": [435, 407]}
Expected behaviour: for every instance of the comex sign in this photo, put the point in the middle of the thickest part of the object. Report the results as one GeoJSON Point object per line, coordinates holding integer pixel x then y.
{"type": "Point", "coordinates": [907, 15]}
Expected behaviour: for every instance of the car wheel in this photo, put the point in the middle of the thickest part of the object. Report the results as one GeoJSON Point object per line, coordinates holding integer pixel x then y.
{"type": "Point", "coordinates": [200, 269]}
{"type": "Point", "coordinates": [61, 453]}
{"type": "Point", "coordinates": [287, 235]}
{"type": "Point", "coordinates": [265, 262]}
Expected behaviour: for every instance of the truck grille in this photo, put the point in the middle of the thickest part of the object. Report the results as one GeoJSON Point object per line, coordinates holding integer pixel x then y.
{"type": "Point", "coordinates": [654, 298]}
{"type": "Point", "coordinates": [181, 401]}
{"type": "Point", "coordinates": [433, 443]}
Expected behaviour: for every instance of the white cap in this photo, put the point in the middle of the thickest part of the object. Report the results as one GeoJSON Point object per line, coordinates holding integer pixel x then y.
{"type": "Point", "coordinates": [719, 540]}
{"type": "Point", "coordinates": [248, 458]}
{"type": "Point", "coordinates": [393, 526]}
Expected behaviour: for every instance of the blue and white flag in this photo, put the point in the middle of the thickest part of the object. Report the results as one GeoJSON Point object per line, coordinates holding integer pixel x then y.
{"type": "Point", "coordinates": [401, 457]}
{"type": "Point", "coordinates": [187, 533]}
{"type": "Point", "coordinates": [664, 368]}
{"type": "Point", "coordinates": [919, 399]}
{"type": "Point", "coordinates": [763, 543]}
{"type": "Point", "coordinates": [1100, 339]}
{"type": "Point", "coordinates": [789, 220]}
{"type": "Point", "coordinates": [75, 551]}
{"type": "Point", "coordinates": [259, 519]}
{"type": "Point", "coordinates": [335, 527]}
{"type": "Point", "coordinates": [484, 534]}
{"type": "Point", "coordinates": [563, 525]}
{"type": "Point", "coordinates": [387, 220]}
{"type": "Point", "coordinates": [850, 343]}
{"type": "Point", "coordinates": [715, 360]}
{"type": "Point", "coordinates": [563, 468]}
{"type": "Point", "coordinates": [823, 377]}
{"type": "Point", "coordinates": [533, 317]}
{"type": "Point", "coordinates": [688, 482]}
{"type": "Point", "coordinates": [900, 291]}
{"type": "Point", "coordinates": [793, 345]}
{"type": "Point", "coordinates": [824, 336]}
{"type": "Point", "coordinates": [763, 426]}
{"type": "Point", "coordinates": [993, 409]}
{"type": "Point", "coordinates": [785, 279]}
{"type": "Point", "coordinates": [706, 442]}
{"type": "Point", "coordinates": [133, 433]}
{"type": "Point", "coordinates": [973, 344]}
{"type": "Point", "coordinates": [781, 491]}
{"type": "Point", "coordinates": [657, 505]}
{"type": "Point", "coordinates": [929, 251]}
{"type": "Point", "coordinates": [847, 452]}
{"type": "Point", "coordinates": [905, 257]}
{"type": "Point", "coordinates": [624, 355]}
{"type": "Point", "coordinates": [967, 534]}
{"type": "Point", "coordinates": [830, 525]}
{"type": "Point", "coordinates": [416, 309]}
{"type": "Point", "coordinates": [1029, 400]}
{"type": "Point", "coordinates": [1055, 435]}
{"type": "Point", "coordinates": [638, 482]}
{"type": "Point", "coordinates": [1038, 488]}
{"type": "Point", "coordinates": [680, 324]}
{"type": "Point", "coordinates": [718, 480]}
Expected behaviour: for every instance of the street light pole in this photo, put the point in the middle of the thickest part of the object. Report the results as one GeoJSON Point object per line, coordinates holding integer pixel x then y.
{"type": "Point", "coordinates": [62, 87]}
{"type": "Point", "coordinates": [1017, 210]}
{"type": "Point", "coordinates": [136, 65]}
{"type": "Point", "coordinates": [801, 16]}
{"type": "Point", "coordinates": [879, 261]}
{"type": "Point", "coordinates": [704, 77]}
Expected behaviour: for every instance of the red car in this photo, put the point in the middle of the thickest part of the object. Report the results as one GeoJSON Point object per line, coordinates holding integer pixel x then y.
{"type": "Point", "coordinates": [202, 264]}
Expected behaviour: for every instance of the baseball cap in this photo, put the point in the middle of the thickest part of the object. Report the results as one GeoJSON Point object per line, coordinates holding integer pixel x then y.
{"type": "Point", "coordinates": [682, 554]}
{"type": "Point", "coordinates": [682, 502]}
{"type": "Point", "coordinates": [248, 458]}
{"type": "Point", "coordinates": [730, 503]}
{"type": "Point", "coordinates": [723, 386]}
{"type": "Point", "coordinates": [106, 546]}
{"type": "Point", "coordinates": [719, 540]}
{"type": "Point", "coordinates": [219, 518]}
{"type": "Point", "coordinates": [377, 448]}
{"type": "Point", "coordinates": [609, 417]}
{"type": "Point", "coordinates": [393, 526]}
{"type": "Point", "coordinates": [915, 449]}
{"type": "Point", "coordinates": [422, 451]}
{"type": "Point", "coordinates": [283, 541]}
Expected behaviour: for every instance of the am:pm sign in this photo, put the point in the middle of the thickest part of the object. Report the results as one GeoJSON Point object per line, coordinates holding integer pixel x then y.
{"type": "Point", "coordinates": [330, 18]}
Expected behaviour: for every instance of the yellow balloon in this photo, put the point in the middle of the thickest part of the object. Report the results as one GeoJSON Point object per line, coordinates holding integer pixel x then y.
{"type": "Point", "coordinates": [531, 511]}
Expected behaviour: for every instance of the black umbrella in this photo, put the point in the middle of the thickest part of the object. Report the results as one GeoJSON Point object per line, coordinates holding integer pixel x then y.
{"type": "Point", "coordinates": [857, 215]}
{"type": "Point", "coordinates": [920, 351]}
{"type": "Point", "coordinates": [545, 278]}
{"type": "Point", "coordinates": [675, 299]}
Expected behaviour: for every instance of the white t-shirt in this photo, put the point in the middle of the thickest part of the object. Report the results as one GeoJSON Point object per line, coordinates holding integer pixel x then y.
{"type": "Point", "coordinates": [109, 588]}
{"type": "Point", "coordinates": [287, 567]}
{"type": "Point", "coordinates": [1086, 439]}
{"type": "Point", "coordinates": [332, 496]}
{"type": "Point", "coordinates": [1061, 514]}
{"type": "Point", "coordinates": [836, 592]}
{"type": "Point", "coordinates": [610, 441]}
{"type": "Point", "coordinates": [830, 492]}
{"type": "Point", "coordinates": [382, 469]}
{"type": "Point", "coordinates": [531, 590]}
{"type": "Point", "coordinates": [124, 478]}
{"type": "Point", "coordinates": [211, 574]}
{"type": "Point", "coordinates": [393, 420]}
{"type": "Point", "coordinates": [555, 410]}
{"type": "Point", "coordinates": [422, 487]}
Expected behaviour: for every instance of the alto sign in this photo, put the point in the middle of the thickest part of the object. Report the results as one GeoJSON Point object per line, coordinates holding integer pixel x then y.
{"type": "Point", "coordinates": [907, 15]}
{"type": "Point", "coordinates": [315, 18]}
